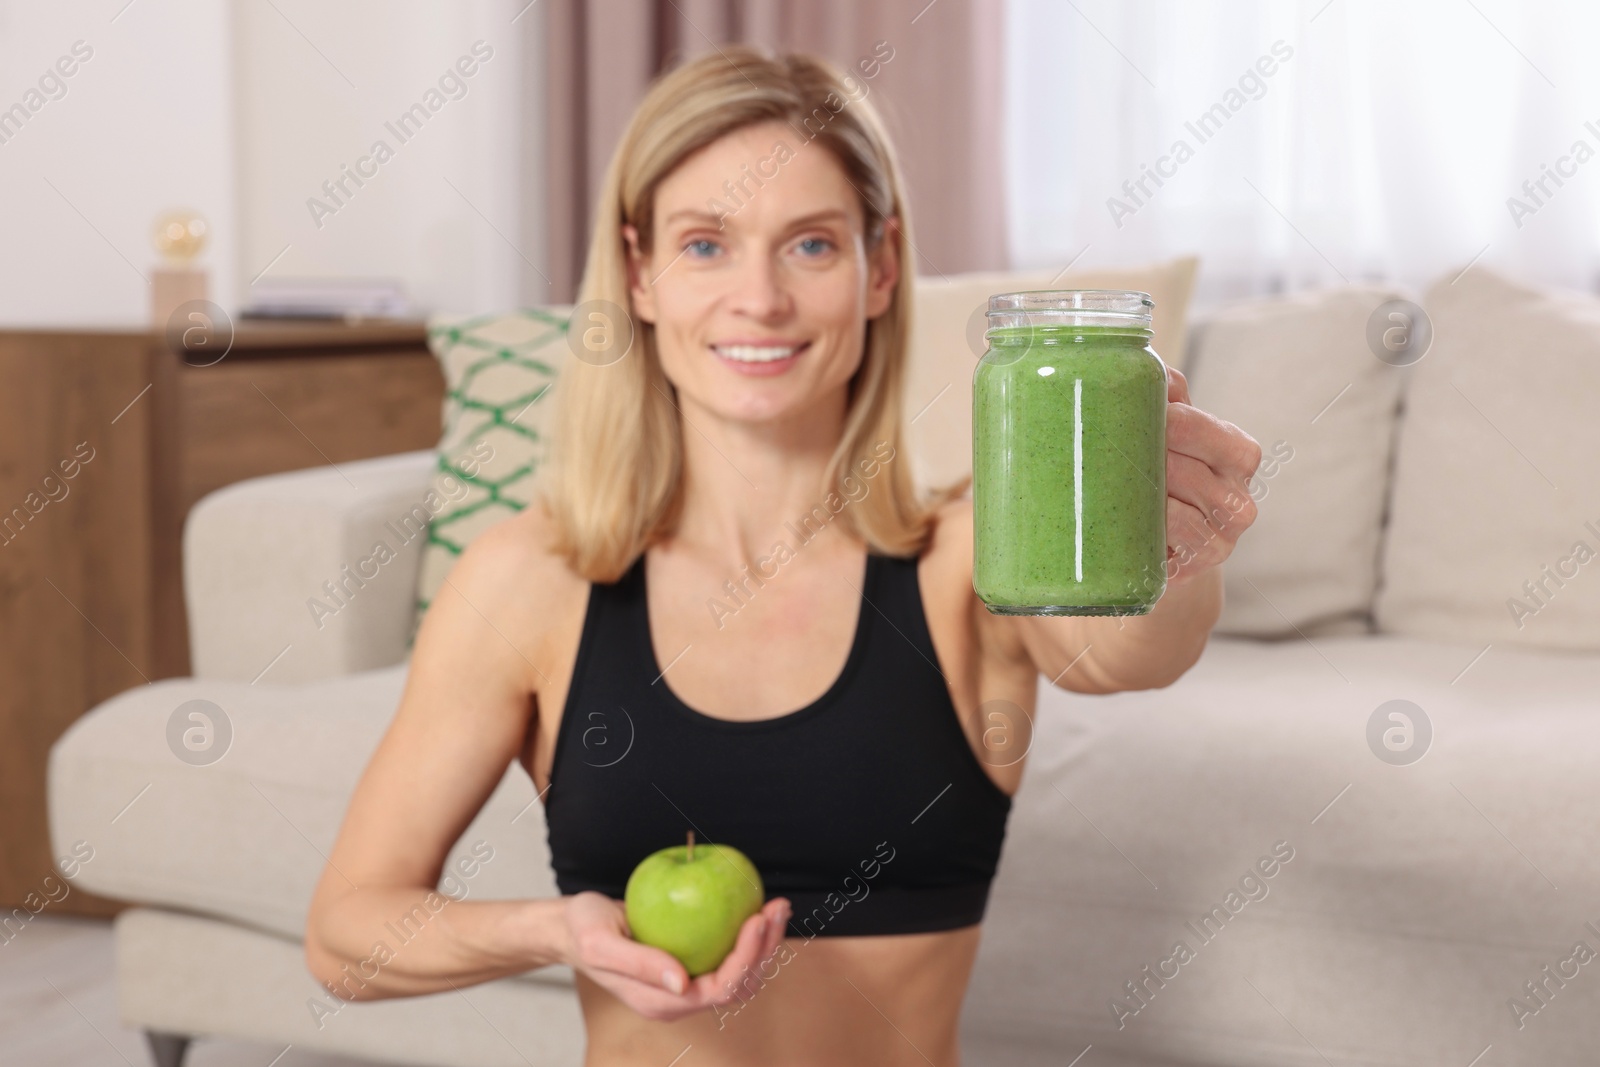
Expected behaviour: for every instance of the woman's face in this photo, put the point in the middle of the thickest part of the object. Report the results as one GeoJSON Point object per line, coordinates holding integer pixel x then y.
{"type": "Point", "coordinates": [760, 282]}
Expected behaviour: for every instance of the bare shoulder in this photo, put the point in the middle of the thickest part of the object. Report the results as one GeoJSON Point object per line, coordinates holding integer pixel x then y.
{"type": "Point", "coordinates": [511, 580]}
{"type": "Point", "coordinates": [522, 544]}
{"type": "Point", "coordinates": [946, 562]}
{"type": "Point", "coordinates": [951, 537]}
{"type": "Point", "coordinates": [514, 557]}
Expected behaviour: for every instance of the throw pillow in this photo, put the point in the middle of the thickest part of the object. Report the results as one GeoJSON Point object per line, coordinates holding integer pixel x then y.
{"type": "Point", "coordinates": [499, 371]}
{"type": "Point", "coordinates": [1495, 529]}
{"type": "Point", "coordinates": [1297, 374]}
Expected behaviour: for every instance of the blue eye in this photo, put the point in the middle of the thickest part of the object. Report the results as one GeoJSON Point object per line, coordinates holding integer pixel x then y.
{"type": "Point", "coordinates": [815, 246]}
{"type": "Point", "coordinates": [701, 248]}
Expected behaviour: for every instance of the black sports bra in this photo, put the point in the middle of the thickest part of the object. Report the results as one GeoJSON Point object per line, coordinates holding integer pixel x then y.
{"type": "Point", "coordinates": [867, 808]}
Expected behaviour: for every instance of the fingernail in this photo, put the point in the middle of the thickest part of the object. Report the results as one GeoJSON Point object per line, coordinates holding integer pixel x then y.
{"type": "Point", "coordinates": [672, 981]}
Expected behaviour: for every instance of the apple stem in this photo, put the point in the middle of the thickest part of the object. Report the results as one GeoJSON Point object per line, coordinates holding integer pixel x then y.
{"type": "Point", "coordinates": [690, 856]}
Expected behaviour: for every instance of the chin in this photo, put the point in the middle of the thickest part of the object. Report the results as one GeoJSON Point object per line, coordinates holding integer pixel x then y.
{"type": "Point", "coordinates": [756, 411]}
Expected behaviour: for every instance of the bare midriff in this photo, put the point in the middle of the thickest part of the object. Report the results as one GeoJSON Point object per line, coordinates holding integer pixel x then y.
{"type": "Point", "coordinates": [836, 1001]}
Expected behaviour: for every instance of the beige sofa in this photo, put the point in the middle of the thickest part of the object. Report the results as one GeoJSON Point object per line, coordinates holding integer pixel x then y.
{"type": "Point", "coordinates": [1336, 899]}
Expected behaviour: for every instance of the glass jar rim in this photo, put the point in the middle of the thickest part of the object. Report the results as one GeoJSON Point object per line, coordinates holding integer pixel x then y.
{"type": "Point", "coordinates": [1128, 308]}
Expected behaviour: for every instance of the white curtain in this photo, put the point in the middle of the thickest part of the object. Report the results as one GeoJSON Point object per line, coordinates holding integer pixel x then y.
{"type": "Point", "coordinates": [1342, 140]}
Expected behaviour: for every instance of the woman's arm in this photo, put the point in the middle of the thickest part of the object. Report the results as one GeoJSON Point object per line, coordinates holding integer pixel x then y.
{"type": "Point", "coordinates": [1209, 466]}
{"type": "Point", "coordinates": [476, 672]}
{"type": "Point", "coordinates": [462, 719]}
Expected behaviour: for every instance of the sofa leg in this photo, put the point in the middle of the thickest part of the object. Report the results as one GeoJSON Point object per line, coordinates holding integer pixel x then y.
{"type": "Point", "coordinates": [167, 1050]}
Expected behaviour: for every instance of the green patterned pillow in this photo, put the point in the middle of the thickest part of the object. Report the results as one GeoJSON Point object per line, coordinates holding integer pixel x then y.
{"type": "Point", "coordinates": [498, 373]}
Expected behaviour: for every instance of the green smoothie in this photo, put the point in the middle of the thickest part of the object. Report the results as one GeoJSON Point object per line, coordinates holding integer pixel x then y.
{"type": "Point", "coordinates": [1069, 471]}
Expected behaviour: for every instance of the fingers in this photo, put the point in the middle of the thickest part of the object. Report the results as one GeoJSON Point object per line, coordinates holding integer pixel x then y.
{"type": "Point", "coordinates": [777, 911]}
{"type": "Point", "coordinates": [652, 966]}
{"type": "Point", "coordinates": [719, 984]}
{"type": "Point", "coordinates": [758, 941]}
{"type": "Point", "coordinates": [1209, 466]}
{"type": "Point", "coordinates": [650, 1001]}
{"type": "Point", "coordinates": [1218, 444]}
{"type": "Point", "coordinates": [1187, 531]}
{"type": "Point", "coordinates": [600, 938]}
{"type": "Point", "coordinates": [1226, 505]}
{"type": "Point", "coordinates": [1195, 543]}
{"type": "Point", "coordinates": [1177, 386]}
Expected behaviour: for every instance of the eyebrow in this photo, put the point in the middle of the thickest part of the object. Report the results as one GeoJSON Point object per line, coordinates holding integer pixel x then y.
{"type": "Point", "coordinates": [827, 214]}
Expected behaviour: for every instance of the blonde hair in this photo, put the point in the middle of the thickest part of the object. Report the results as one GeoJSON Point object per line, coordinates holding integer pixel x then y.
{"type": "Point", "coordinates": [614, 476]}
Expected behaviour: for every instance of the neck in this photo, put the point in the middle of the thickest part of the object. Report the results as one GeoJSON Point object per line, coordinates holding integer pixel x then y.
{"type": "Point", "coordinates": [747, 486]}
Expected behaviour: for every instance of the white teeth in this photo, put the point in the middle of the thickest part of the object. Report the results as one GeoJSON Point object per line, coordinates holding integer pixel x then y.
{"type": "Point", "coordinates": [755, 353]}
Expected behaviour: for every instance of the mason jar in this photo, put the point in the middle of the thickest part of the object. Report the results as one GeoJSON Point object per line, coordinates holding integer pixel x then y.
{"type": "Point", "coordinates": [1069, 456]}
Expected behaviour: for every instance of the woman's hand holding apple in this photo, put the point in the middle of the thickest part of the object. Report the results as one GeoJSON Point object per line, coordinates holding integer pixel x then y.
{"type": "Point", "coordinates": [649, 980]}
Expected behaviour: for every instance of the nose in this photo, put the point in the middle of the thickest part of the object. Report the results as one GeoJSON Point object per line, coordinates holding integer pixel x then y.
{"type": "Point", "coordinates": [759, 291]}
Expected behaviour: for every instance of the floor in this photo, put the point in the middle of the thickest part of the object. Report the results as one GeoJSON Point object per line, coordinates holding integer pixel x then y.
{"type": "Point", "coordinates": [58, 1008]}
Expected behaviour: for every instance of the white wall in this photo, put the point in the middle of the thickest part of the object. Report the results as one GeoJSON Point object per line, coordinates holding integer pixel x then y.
{"type": "Point", "coordinates": [144, 127]}
{"type": "Point", "coordinates": [304, 115]}
{"type": "Point", "coordinates": [242, 111]}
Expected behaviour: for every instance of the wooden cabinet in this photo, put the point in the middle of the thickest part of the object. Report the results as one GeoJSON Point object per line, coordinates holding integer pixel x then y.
{"type": "Point", "coordinates": [106, 441]}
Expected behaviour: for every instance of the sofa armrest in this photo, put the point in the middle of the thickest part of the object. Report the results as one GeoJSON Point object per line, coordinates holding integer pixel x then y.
{"type": "Point", "coordinates": [306, 575]}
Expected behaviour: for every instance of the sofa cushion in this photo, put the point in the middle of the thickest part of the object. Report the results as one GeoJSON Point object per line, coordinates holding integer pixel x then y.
{"type": "Point", "coordinates": [187, 974]}
{"type": "Point", "coordinates": [1296, 373]}
{"type": "Point", "coordinates": [947, 341]}
{"type": "Point", "coordinates": [1495, 532]}
{"type": "Point", "coordinates": [244, 836]}
{"type": "Point", "coordinates": [1419, 898]}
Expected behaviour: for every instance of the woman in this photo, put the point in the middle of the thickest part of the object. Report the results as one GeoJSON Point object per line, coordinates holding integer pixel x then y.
{"type": "Point", "coordinates": [807, 674]}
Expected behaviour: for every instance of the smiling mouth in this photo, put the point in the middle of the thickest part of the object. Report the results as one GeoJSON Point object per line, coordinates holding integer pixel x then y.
{"type": "Point", "coordinates": [759, 353]}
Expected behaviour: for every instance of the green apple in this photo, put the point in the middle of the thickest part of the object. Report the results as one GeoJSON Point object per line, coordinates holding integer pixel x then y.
{"type": "Point", "coordinates": [691, 902]}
